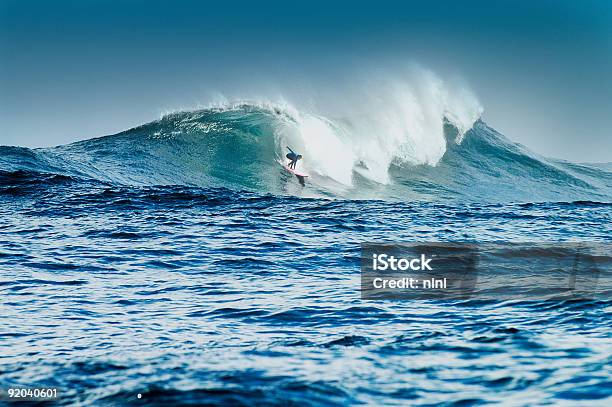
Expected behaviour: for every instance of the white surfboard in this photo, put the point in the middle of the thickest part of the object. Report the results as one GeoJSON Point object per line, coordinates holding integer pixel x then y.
{"type": "Point", "coordinates": [300, 175]}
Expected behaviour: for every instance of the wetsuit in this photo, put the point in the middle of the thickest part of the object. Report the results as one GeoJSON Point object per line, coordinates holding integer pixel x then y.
{"type": "Point", "coordinates": [293, 158]}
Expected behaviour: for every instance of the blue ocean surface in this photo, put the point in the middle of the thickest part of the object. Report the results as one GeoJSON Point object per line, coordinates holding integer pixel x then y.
{"type": "Point", "coordinates": [180, 261]}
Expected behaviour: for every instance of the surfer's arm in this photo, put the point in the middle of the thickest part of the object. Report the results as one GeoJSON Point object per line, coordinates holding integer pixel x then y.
{"type": "Point", "coordinates": [288, 148]}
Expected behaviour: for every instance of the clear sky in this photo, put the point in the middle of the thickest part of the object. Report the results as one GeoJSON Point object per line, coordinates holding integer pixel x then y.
{"type": "Point", "coordinates": [72, 70]}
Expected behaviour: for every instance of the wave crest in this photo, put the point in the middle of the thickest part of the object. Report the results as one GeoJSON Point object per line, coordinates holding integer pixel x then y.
{"type": "Point", "coordinates": [392, 139]}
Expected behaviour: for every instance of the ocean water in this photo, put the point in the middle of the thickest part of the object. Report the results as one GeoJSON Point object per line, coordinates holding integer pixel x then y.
{"type": "Point", "coordinates": [179, 261]}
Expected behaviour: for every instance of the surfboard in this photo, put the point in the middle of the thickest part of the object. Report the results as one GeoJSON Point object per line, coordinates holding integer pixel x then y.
{"type": "Point", "coordinates": [300, 175]}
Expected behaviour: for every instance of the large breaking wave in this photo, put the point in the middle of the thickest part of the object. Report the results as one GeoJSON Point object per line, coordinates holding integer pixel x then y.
{"type": "Point", "coordinates": [393, 140]}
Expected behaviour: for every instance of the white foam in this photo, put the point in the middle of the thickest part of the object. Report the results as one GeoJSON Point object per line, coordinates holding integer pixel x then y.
{"type": "Point", "coordinates": [384, 120]}
{"type": "Point", "coordinates": [372, 121]}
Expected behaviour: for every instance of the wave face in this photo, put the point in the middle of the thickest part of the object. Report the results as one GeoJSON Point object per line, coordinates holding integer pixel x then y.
{"type": "Point", "coordinates": [445, 153]}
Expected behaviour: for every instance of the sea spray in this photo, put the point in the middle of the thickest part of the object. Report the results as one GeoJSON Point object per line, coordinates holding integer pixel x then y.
{"type": "Point", "coordinates": [381, 120]}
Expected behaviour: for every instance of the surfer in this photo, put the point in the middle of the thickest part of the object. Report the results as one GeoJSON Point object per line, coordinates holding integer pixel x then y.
{"type": "Point", "coordinates": [293, 158]}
